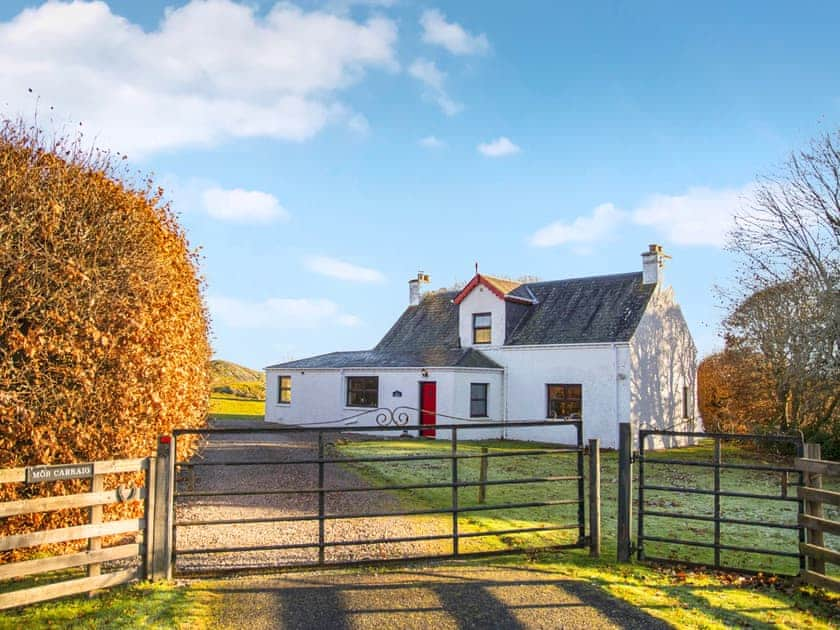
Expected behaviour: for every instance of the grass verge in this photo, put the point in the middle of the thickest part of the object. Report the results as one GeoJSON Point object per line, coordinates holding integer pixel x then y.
{"type": "Point", "coordinates": [699, 599]}
{"type": "Point", "coordinates": [161, 605]}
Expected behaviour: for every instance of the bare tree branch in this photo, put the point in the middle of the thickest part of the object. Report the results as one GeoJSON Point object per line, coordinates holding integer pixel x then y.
{"type": "Point", "coordinates": [788, 307]}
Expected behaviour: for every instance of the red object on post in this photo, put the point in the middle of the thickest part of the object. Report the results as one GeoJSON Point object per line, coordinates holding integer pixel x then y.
{"type": "Point", "coordinates": [166, 439]}
{"type": "Point", "coordinates": [428, 407]}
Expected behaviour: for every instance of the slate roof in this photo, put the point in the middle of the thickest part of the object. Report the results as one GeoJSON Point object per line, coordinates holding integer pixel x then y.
{"type": "Point", "coordinates": [430, 357]}
{"type": "Point", "coordinates": [431, 324]}
{"type": "Point", "coordinates": [599, 309]}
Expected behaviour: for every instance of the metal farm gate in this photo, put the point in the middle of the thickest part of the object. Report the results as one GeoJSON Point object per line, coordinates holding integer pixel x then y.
{"type": "Point", "coordinates": [315, 494]}
{"type": "Point", "coordinates": [714, 523]}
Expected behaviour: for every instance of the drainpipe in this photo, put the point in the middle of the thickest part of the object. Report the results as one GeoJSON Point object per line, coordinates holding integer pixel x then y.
{"type": "Point", "coordinates": [615, 369]}
{"type": "Point", "coordinates": [505, 392]}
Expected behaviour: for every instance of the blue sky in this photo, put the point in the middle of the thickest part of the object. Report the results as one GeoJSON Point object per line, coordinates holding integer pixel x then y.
{"type": "Point", "coordinates": [321, 153]}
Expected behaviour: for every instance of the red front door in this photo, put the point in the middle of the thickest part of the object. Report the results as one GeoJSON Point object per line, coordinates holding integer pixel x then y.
{"type": "Point", "coordinates": [428, 407]}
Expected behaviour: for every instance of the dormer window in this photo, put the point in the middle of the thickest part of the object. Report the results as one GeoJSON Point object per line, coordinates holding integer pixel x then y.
{"type": "Point", "coordinates": [481, 328]}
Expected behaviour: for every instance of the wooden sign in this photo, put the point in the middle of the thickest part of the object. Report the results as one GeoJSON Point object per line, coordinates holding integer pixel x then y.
{"type": "Point", "coordinates": [39, 474]}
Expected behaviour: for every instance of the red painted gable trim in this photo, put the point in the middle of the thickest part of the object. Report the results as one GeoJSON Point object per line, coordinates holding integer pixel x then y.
{"type": "Point", "coordinates": [477, 279]}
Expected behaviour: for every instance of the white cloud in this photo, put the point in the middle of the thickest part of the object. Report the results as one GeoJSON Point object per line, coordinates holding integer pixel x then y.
{"type": "Point", "coordinates": [701, 216]}
{"type": "Point", "coordinates": [335, 268]}
{"type": "Point", "coordinates": [431, 142]}
{"type": "Point", "coordinates": [427, 72]}
{"type": "Point", "coordinates": [344, 6]}
{"type": "Point", "coordinates": [243, 206]}
{"type": "Point", "coordinates": [349, 320]}
{"type": "Point", "coordinates": [434, 79]}
{"type": "Point", "coordinates": [499, 147]}
{"type": "Point", "coordinates": [282, 313]}
{"type": "Point", "coordinates": [451, 35]}
{"type": "Point", "coordinates": [358, 124]}
{"type": "Point", "coordinates": [210, 71]}
{"type": "Point", "coordinates": [586, 229]}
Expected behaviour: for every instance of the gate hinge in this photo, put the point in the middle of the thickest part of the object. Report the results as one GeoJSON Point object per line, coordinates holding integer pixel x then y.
{"type": "Point", "coordinates": [634, 457]}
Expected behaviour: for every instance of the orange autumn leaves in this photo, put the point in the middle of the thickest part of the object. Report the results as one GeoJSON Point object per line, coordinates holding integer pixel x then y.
{"type": "Point", "coordinates": [736, 393]}
{"type": "Point", "coordinates": [103, 330]}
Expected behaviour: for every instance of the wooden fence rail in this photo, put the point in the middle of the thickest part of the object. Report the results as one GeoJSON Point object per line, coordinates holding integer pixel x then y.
{"type": "Point", "coordinates": [93, 532]}
{"type": "Point", "coordinates": [813, 519]}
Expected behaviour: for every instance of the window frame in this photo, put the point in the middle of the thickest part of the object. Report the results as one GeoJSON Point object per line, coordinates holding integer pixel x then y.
{"type": "Point", "coordinates": [488, 328]}
{"type": "Point", "coordinates": [549, 412]}
{"type": "Point", "coordinates": [484, 399]}
{"type": "Point", "coordinates": [281, 389]}
{"type": "Point", "coordinates": [349, 390]}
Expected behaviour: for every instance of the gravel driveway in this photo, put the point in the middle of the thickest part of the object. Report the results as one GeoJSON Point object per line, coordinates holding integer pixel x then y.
{"type": "Point", "coordinates": [284, 447]}
{"type": "Point", "coordinates": [450, 597]}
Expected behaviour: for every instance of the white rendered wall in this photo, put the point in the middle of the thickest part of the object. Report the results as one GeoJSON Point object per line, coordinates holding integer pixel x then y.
{"type": "Point", "coordinates": [319, 397]}
{"type": "Point", "coordinates": [663, 359]}
{"type": "Point", "coordinates": [481, 300]}
{"type": "Point", "coordinates": [315, 396]}
{"type": "Point", "coordinates": [593, 366]}
{"type": "Point", "coordinates": [640, 382]}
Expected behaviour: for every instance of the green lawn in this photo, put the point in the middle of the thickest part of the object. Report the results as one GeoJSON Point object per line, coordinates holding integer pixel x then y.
{"type": "Point", "coordinates": [228, 407]}
{"type": "Point", "coordinates": [564, 464]}
{"type": "Point", "coordinates": [698, 599]}
{"type": "Point", "coordinates": [143, 605]}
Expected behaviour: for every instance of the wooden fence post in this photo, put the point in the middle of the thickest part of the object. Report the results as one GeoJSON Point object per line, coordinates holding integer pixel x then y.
{"type": "Point", "coordinates": [482, 475]}
{"type": "Point", "coordinates": [454, 457]}
{"type": "Point", "coordinates": [595, 498]}
{"type": "Point", "coordinates": [717, 460]}
{"type": "Point", "coordinates": [164, 478]}
{"type": "Point", "coordinates": [625, 490]}
{"type": "Point", "coordinates": [149, 517]}
{"type": "Point", "coordinates": [97, 484]}
{"type": "Point", "coordinates": [814, 508]}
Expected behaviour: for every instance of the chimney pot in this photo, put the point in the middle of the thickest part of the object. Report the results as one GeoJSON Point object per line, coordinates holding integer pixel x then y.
{"type": "Point", "coordinates": [653, 262]}
{"type": "Point", "coordinates": [413, 292]}
{"type": "Point", "coordinates": [414, 288]}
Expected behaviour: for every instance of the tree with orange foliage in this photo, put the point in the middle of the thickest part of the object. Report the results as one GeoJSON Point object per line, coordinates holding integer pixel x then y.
{"type": "Point", "coordinates": [103, 329]}
{"type": "Point", "coordinates": [735, 393]}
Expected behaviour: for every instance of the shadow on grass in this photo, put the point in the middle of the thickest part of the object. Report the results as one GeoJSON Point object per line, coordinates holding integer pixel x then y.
{"type": "Point", "coordinates": [737, 605]}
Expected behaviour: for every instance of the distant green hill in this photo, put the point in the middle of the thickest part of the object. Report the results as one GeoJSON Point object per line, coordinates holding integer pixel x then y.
{"type": "Point", "coordinates": [225, 369]}
{"type": "Point", "coordinates": [236, 380]}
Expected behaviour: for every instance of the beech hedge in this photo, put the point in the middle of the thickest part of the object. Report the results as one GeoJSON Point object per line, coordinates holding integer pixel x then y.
{"type": "Point", "coordinates": [103, 327]}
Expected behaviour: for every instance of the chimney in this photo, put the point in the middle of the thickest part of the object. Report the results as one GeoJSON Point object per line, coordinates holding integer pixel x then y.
{"type": "Point", "coordinates": [653, 261]}
{"type": "Point", "coordinates": [414, 288]}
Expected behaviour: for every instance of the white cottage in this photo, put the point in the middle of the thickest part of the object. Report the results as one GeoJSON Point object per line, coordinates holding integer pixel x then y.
{"type": "Point", "coordinates": [606, 349]}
